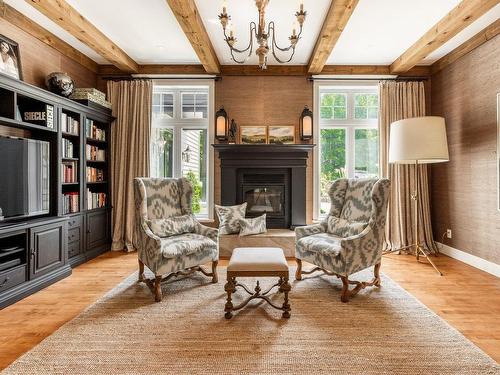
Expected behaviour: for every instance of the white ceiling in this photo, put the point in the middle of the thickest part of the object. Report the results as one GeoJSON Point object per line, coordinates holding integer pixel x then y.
{"type": "Point", "coordinates": [378, 32]}
{"type": "Point", "coordinates": [146, 30]}
{"type": "Point", "coordinates": [30, 12]}
{"type": "Point", "coordinates": [282, 12]}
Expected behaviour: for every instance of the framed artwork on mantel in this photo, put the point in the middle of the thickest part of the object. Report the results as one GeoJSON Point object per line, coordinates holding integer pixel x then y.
{"type": "Point", "coordinates": [281, 135]}
{"type": "Point", "coordinates": [250, 135]}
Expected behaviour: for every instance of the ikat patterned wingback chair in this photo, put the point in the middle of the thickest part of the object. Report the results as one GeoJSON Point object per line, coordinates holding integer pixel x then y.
{"type": "Point", "coordinates": [351, 237]}
{"type": "Point", "coordinates": [169, 240]}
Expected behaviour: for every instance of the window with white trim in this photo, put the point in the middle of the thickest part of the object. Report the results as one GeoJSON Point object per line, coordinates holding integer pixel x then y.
{"type": "Point", "coordinates": [347, 137]}
{"type": "Point", "coordinates": [180, 139]}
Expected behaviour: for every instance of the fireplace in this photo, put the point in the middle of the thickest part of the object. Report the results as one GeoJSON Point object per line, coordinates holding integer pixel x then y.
{"type": "Point", "coordinates": [270, 178]}
{"type": "Point", "coordinates": [266, 191]}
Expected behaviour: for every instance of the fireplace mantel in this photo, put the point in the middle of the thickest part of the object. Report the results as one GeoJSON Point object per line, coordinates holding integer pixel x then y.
{"type": "Point", "coordinates": [263, 147]}
{"type": "Point", "coordinates": [236, 160]}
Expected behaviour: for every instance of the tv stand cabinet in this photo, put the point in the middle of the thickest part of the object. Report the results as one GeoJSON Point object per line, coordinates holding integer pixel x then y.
{"type": "Point", "coordinates": [40, 251]}
{"type": "Point", "coordinates": [78, 226]}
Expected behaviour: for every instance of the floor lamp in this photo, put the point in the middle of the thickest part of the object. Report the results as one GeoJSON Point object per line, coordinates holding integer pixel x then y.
{"type": "Point", "coordinates": [418, 140]}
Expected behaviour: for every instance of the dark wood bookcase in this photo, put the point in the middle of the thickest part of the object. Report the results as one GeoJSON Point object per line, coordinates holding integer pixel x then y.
{"type": "Point", "coordinates": [44, 248]}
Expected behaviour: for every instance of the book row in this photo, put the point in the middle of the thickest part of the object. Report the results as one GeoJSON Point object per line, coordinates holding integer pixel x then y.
{"type": "Point", "coordinates": [67, 148]}
{"type": "Point", "coordinates": [95, 153]}
{"type": "Point", "coordinates": [69, 172]}
{"type": "Point", "coordinates": [94, 132]}
{"type": "Point", "coordinates": [69, 124]}
{"type": "Point", "coordinates": [95, 174]}
{"type": "Point", "coordinates": [70, 202]}
{"type": "Point", "coordinates": [95, 200]}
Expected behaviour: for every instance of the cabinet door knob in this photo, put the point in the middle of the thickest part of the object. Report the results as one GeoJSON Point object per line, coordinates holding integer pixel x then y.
{"type": "Point", "coordinates": [32, 253]}
{"type": "Point", "coordinates": [5, 281]}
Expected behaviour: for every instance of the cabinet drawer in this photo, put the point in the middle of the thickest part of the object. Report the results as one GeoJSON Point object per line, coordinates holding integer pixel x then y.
{"type": "Point", "coordinates": [73, 249]}
{"type": "Point", "coordinates": [74, 222]}
{"type": "Point", "coordinates": [73, 235]}
{"type": "Point", "coordinates": [13, 277]}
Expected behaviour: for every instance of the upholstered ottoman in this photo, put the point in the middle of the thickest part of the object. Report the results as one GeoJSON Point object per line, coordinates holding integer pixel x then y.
{"type": "Point", "coordinates": [257, 262]}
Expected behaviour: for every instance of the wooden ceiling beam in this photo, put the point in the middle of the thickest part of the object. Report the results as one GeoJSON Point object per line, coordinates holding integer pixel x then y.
{"type": "Point", "coordinates": [155, 69]}
{"type": "Point", "coordinates": [481, 37]}
{"type": "Point", "coordinates": [191, 23]}
{"type": "Point", "coordinates": [336, 19]}
{"type": "Point", "coordinates": [18, 19]}
{"type": "Point", "coordinates": [272, 70]}
{"type": "Point", "coordinates": [466, 12]}
{"type": "Point", "coordinates": [60, 12]}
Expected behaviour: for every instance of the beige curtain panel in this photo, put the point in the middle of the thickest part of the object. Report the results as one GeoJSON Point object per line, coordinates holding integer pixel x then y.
{"type": "Point", "coordinates": [400, 100]}
{"type": "Point", "coordinates": [132, 102]}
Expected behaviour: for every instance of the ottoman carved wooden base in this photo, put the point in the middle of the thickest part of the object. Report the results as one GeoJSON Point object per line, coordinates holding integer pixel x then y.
{"type": "Point", "coordinates": [257, 262]}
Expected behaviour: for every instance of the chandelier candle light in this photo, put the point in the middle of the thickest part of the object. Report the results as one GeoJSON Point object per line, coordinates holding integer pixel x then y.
{"type": "Point", "coordinates": [264, 33]}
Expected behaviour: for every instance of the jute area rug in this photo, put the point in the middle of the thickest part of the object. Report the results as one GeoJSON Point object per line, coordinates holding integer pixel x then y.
{"type": "Point", "coordinates": [380, 331]}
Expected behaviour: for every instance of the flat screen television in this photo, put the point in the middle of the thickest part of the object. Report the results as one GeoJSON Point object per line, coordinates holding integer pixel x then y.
{"type": "Point", "coordinates": [25, 178]}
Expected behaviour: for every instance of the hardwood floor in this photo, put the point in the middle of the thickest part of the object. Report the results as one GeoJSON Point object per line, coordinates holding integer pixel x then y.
{"type": "Point", "coordinates": [465, 297]}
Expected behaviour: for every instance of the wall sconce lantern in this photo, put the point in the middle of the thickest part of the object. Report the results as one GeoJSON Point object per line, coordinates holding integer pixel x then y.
{"type": "Point", "coordinates": [221, 125]}
{"type": "Point", "coordinates": [306, 124]}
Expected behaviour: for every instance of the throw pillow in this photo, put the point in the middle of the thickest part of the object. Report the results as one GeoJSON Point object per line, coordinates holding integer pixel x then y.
{"type": "Point", "coordinates": [229, 217]}
{"type": "Point", "coordinates": [172, 226]}
{"type": "Point", "coordinates": [253, 226]}
{"type": "Point", "coordinates": [344, 228]}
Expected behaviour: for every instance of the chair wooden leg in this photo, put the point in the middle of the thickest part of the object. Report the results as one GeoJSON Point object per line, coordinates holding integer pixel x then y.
{"type": "Point", "coordinates": [141, 271]}
{"type": "Point", "coordinates": [285, 288]}
{"type": "Point", "coordinates": [376, 274]}
{"type": "Point", "coordinates": [230, 288]}
{"type": "Point", "coordinates": [215, 277]}
{"type": "Point", "coordinates": [157, 286]}
{"type": "Point", "coordinates": [359, 285]}
{"type": "Point", "coordinates": [298, 272]}
{"type": "Point", "coordinates": [346, 294]}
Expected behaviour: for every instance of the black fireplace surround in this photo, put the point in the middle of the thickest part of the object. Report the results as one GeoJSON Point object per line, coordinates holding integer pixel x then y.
{"type": "Point", "coordinates": [270, 178]}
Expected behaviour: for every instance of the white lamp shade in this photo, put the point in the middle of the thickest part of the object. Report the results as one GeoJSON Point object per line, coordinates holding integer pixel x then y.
{"type": "Point", "coordinates": [421, 139]}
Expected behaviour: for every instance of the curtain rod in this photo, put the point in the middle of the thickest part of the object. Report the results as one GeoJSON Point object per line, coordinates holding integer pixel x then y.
{"type": "Point", "coordinates": [369, 79]}
{"type": "Point", "coordinates": [128, 78]}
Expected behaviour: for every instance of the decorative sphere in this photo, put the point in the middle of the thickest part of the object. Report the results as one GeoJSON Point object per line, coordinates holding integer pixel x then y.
{"type": "Point", "coordinates": [60, 83]}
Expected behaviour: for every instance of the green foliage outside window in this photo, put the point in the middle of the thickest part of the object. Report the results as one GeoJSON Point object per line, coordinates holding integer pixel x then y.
{"type": "Point", "coordinates": [333, 106]}
{"type": "Point", "coordinates": [365, 106]}
{"type": "Point", "coordinates": [332, 158]}
{"type": "Point", "coordinates": [366, 152]}
{"type": "Point", "coordinates": [196, 184]}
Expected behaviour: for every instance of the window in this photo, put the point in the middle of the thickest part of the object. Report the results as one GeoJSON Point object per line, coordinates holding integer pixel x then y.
{"type": "Point", "coordinates": [180, 139]}
{"type": "Point", "coordinates": [194, 105]}
{"type": "Point", "coordinates": [347, 137]}
{"type": "Point", "coordinates": [333, 106]}
{"type": "Point", "coordinates": [163, 105]}
{"type": "Point", "coordinates": [365, 106]}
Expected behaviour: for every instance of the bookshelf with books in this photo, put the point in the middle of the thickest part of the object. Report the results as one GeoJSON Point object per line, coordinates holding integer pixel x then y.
{"type": "Point", "coordinates": [85, 194]}
{"type": "Point", "coordinates": [69, 124]}
{"type": "Point", "coordinates": [70, 229]}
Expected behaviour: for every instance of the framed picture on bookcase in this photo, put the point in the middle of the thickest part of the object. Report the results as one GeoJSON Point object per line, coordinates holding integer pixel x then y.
{"type": "Point", "coordinates": [10, 60]}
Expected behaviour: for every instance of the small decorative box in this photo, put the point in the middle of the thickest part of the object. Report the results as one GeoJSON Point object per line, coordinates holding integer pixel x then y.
{"type": "Point", "coordinates": [87, 95]}
{"type": "Point", "coordinates": [83, 93]}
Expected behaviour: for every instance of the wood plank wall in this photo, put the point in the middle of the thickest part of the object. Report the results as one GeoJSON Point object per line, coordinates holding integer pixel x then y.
{"type": "Point", "coordinates": [276, 100]}
{"type": "Point", "coordinates": [38, 59]}
{"type": "Point", "coordinates": [464, 190]}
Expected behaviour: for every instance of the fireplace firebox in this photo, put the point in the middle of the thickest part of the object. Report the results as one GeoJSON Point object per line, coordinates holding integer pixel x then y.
{"type": "Point", "coordinates": [266, 191]}
{"type": "Point", "coordinates": [270, 178]}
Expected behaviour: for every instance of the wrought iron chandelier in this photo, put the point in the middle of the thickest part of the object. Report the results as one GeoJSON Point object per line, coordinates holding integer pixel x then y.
{"type": "Point", "coordinates": [264, 34]}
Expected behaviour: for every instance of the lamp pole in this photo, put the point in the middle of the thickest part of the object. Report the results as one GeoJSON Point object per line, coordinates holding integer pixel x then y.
{"type": "Point", "coordinates": [419, 249]}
